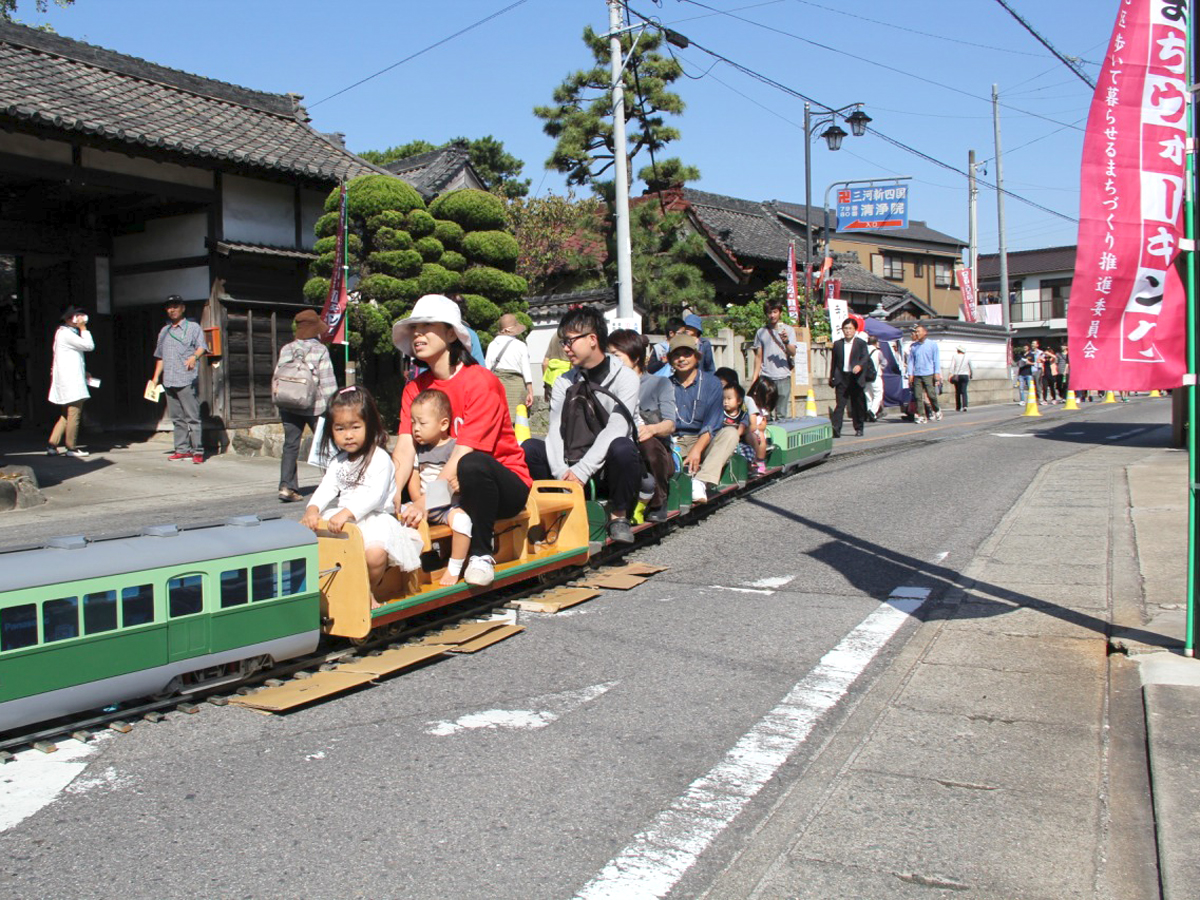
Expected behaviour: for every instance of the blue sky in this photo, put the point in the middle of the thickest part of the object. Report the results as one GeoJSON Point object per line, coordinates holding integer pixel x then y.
{"type": "Point", "coordinates": [922, 68]}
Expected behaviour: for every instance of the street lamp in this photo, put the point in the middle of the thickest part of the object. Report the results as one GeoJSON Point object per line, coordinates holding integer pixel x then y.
{"type": "Point", "coordinates": [833, 135]}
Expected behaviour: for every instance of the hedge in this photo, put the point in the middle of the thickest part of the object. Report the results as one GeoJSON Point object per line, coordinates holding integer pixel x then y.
{"type": "Point", "coordinates": [316, 290]}
{"type": "Point", "coordinates": [435, 279]}
{"type": "Point", "coordinates": [420, 223]}
{"type": "Point", "coordinates": [397, 263]}
{"type": "Point", "coordinates": [492, 248]}
{"type": "Point", "coordinates": [499, 287]}
{"type": "Point", "coordinates": [329, 244]}
{"type": "Point", "coordinates": [450, 234]}
{"type": "Point", "coordinates": [430, 249]}
{"type": "Point", "coordinates": [472, 209]}
{"type": "Point", "coordinates": [369, 195]}
{"type": "Point", "coordinates": [382, 288]}
{"type": "Point", "coordinates": [388, 238]}
{"type": "Point", "coordinates": [482, 313]}
{"type": "Point", "coordinates": [323, 264]}
{"type": "Point", "coordinates": [389, 218]}
{"type": "Point", "coordinates": [453, 260]}
{"type": "Point", "coordinates": [326, 225]}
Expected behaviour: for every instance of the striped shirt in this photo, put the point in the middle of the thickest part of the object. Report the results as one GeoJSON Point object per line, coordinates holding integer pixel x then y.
{"type": "Point", "coordinates": [176, 342]}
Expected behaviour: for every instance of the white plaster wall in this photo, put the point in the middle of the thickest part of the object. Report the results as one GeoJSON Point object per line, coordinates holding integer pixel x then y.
{"type": "Point", "coordinates": [258, 212]}
{"type": "Point", "coordinates": [169, 238]}
{"type": "Point", "coordinates": [154, 287]}
{"type": "Point", "coordinates": [146, 168]}
{"type": "Point", "coordinates": [312, 207]}
{"type": "Point", "coordinates": [27, 145]}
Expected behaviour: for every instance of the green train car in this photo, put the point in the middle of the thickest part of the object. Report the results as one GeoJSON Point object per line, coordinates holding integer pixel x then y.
{"type": "Point", "coordinates": [86, 624]}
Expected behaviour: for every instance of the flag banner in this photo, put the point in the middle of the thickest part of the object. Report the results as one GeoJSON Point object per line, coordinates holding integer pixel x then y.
{"type": "Point", "coordinates": [838, 309]}
{"type": "Point", "coordinates": [793, 301]}
{"type": "Point", "coordinates": [333, 313]}
{"type": "Point", "coordinates": [966, 284]}
{"type": "Point", "coordinates": [1125, 324]}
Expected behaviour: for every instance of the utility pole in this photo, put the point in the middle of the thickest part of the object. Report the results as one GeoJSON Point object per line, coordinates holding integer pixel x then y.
{"type": "Point", "coordinates": [624, 265]}
{"type": "Point", "coordinates": [972, 219]}
{"type": "Point", "coordinates": [1004, 312]}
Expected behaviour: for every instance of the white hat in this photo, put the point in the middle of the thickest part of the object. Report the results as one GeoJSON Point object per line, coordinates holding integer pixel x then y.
{"type": "Point", "coordinates": [430, 308]}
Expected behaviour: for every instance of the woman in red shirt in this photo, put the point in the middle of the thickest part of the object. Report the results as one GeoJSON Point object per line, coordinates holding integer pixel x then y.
{"type": "Point", "coordinates": [487, 468]}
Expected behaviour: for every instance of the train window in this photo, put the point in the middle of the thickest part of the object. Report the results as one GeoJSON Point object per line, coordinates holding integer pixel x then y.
{"type": "Point", "coordinates": [99, 612]}
{"type": "Point", "coordinates": [262, 582]}
{"type": "Point", "coordinates": [18, 626]}
{"type": "Point", "coordinates": [137, 605]}
{"type": "Point", "coordinates": [185, 595]}
{"type": "Point", "coordinates": [60, 619]}
{"type": "Point", "coordinates": [234, 589]}
{"type": "Point", "coordinates": [294, 576]}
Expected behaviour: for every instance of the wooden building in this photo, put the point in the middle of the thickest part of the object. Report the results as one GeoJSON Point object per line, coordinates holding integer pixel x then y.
{"type": "Point", "coordinates": [122, 182]}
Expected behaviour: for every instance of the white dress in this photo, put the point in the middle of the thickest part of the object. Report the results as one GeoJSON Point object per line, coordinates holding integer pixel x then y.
{"type": "Point", "coordinates": [371, 501]}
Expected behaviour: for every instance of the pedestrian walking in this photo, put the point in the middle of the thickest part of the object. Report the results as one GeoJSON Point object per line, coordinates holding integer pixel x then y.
{"type": "Point", "coordinates": [874, 388]}
{"type": "Point", "coordinates": [179, 349]}
{"type": "Point", "coordinates": [774, 353]}
{"type": "Point", "coordinates": [68, 379]}
{"type": "Point", "coordinates": [1049, 378]}
{"type": "Point", "coordinates": [961, 373]}
{"type": "Point", "coordinates": [308, 352]}
{"type": "Point", "coordinates": [1064, 373]}
{"type": "Point", "coordinates": [850, 370]}
{"type": "Point", "coordinates": [508, 357]}
{"type": "Point", "coordinates": [924, 375]}
{"type": "Point", "coordinates": [1025, 380]}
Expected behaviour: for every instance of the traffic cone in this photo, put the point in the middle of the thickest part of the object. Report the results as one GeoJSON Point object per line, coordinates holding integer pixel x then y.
{"type": "Point", "coordinates": [810, 405]}
{"type": "Point", "coordinates": [1031, 403]}
{"type": "Point", "coordinates": [1109, 397]}
{"type": "Point", "coordinates": [521, 424]}
{"type": "Point", "coordinates": [1155, 394]}
{"type": "Point", "coordinates": [1070, 404]}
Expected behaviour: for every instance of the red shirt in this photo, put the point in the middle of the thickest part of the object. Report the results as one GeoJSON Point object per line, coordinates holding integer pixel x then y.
{"type": "Point", "coordinates": [480, 411]}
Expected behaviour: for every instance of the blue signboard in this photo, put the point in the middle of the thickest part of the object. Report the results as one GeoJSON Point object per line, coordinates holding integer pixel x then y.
{"type": "Point", "coordinates": [872, 207]}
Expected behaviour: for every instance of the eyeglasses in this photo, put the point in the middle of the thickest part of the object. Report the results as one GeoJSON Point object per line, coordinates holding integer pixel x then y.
{"type": "Point", "coordinates": [568, 343]}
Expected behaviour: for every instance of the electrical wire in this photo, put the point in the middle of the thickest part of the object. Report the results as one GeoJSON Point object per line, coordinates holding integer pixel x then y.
{"type": "Point", "coordinates": [1079, 73]}
{"type": "Point", "coordinates": [413, 56]}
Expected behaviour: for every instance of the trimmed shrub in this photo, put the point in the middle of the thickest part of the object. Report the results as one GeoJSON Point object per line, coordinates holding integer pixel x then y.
{"type": "Point", "coordinates": [430, 249]}
{"type": "Point", "coordinates": [329, 244]}
{"type": "Point", "coordinates": [492, 248]}
{"type": "Point", "coordinates": [453, 260]}
{"type": "Point", "coordinates": [482, 314]}
{"type": "Point", "coordinates": [497, 286]}
{"type": "Point", "coordinates": [435, 279]}
{"type": "Point", "coordinates": [389, 218]}
{"type": "Point", "coordinates": [316, 290]}
{"type": "Point", "coordinates": [397, 263]}
{"type": "Point", "coordinates": [327, 225]}
{"type": "Point", "coordinates": [420, 223]}
{"type": "Point", "coordinates": [382, 288]}
{"type": "Point", "coordinates": [472, 209]}
{"type": "Point", "coordinates": [369, 195]}
{"type": "Point", "coordinates": [450, 234]}
{"type": "Point", "coordinates": [323, 265]}
{"type": "Point", "coordinates": [388, 238]}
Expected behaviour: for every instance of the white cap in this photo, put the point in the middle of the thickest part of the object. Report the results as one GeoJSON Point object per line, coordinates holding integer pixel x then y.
{"type": "Point", "coordinates": [430, 308]}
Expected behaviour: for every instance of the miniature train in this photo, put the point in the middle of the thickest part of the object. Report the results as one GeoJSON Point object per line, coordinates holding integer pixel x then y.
{"type": "Point", "coordinates": [88, 624]}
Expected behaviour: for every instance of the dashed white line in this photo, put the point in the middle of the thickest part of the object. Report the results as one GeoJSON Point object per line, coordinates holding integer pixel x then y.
{"type": "Point", "coordinates": [658, 857]}
{"type": "Point", "coordinates": [740, 590]}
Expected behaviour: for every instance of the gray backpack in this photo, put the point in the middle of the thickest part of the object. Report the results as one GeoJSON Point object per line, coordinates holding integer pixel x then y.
{"type": "Point", "coordinates": [295, 384]}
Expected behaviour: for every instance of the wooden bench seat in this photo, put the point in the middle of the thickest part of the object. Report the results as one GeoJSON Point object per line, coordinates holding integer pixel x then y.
{"type": "Point", "coordinates": [546, 498]}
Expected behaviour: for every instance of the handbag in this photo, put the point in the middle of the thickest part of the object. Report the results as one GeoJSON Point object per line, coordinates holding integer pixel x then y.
{"type": "Point", "coordinates": [782, 346]}
{"type": "Point", "coordinates": [315, 456]}
{"type": "Point", "coordinates": [954, 379]}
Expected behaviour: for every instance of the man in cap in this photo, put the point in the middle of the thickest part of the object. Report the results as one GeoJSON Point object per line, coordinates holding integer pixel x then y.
{"type": "Point", "coordinates": [694, 325]}
{"type": "Point", "coordinates": [703, 438]}
{"type": "Point", "coordinates": [178, 352]}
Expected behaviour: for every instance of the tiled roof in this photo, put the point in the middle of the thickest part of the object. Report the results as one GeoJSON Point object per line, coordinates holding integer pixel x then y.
{"type": "Point", "coordinates": [552, 306]}
{"type": "Point", "coordinates": [860, 280]}
{"type": "Point", "coordinates": [56, 83]}
{"type": "Point", "coordinates": [746, 227]}
{"type": "Point", "coordinates": [227, 247]}
{"type": "Point", "coordinates": [432, 171]}
{"type": "Point", "coordinates": [1028, 262]}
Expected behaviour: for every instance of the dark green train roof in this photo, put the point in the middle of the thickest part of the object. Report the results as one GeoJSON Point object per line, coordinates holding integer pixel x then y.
{"type": "Point", "coordinates": [73, 558]}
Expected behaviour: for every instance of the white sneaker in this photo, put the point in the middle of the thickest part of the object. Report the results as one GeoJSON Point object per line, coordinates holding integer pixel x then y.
{"type": "Point", "coordinates": [938, 415]}
{"type": "Point", "coordinates": [699, 491]}
{"type": "Point", "coordinates": [480, 572]}
{"type": "Point", "coordinates": [920, 420]}
{"type": "Point", "coordinates": [75, 451]}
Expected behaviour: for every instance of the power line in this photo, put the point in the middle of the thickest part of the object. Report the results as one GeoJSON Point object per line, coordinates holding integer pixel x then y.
{"type": "Point", "coordinates": [1074, 67]}
{"type": "Point", "coordinates": [413, 56]}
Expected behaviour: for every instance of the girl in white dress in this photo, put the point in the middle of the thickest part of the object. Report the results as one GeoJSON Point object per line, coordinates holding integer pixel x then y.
{"type": "Point", "coordinates": [360, 485]}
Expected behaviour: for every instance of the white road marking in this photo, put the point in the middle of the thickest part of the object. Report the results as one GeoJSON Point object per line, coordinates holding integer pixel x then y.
{"type": "Point", "coordinates": [1008, 434]}
{"type": "Point", "coordinates": [320, 754]}
{"type": "Point", "coordinates": [772, 582]}
{"type": "Point", "coordinates": [657, 858]}
{"type": "Point", "coordinates": [35, 779]}
{"type": "Point", "coordinates": [553, 708]}
{"type": "Point", "coordinates": [1124, 434]}
{"type": "Point", "coordinates": [941, 556]}
{"type": "Point", "coordinates": [740, 590]}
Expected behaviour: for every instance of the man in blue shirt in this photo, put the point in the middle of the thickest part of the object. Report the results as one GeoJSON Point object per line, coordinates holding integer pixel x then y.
{"type": "Point", "coordinates": [177, 354]}
{"type": "Point", "coordinates": [704, 440]}
{"type": "Point", "coordinates": [924, 374]}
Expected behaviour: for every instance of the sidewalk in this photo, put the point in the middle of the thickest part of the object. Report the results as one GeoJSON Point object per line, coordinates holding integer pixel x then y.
{"type": "Point", "coordinates": [1003, 752]}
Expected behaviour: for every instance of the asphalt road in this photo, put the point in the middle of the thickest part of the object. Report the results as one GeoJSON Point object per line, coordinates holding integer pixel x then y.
{"type": "Point", "coordinates": [524, 770]}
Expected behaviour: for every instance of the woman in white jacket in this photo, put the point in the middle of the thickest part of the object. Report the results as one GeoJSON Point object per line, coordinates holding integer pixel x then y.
{"type": "Point", "coordinates": [68, 379]}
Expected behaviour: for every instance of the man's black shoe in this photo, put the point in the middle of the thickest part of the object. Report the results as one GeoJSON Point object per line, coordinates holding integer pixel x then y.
{"type": "Point", "coordinates": [620, 532]}
{"type": "Point", "coordinates": [837, 434]}
{"type": "Point", "coordinates": [658, 514]}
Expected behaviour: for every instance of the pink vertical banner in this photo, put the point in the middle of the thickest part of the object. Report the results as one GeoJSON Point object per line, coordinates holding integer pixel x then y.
{"type": "Point", "coordinates": [1126, 323]}
{"type": "Point", "coordinates": [793, 301]}
{"type": "Point", "coordinates": [966, 284]}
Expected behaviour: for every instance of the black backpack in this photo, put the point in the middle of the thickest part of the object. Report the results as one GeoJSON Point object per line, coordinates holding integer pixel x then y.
{"type": "Point", "coordinates": [584, 417]}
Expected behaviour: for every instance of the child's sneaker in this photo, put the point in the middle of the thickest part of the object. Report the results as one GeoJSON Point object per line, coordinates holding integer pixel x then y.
{"type": "Point", "coordinates": [481, 571]}
{"type": "Point", "coordinates": [760, 468]}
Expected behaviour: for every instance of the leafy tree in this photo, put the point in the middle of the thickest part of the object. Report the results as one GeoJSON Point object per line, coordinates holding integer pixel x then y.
{"type": "Point", "coordinates": [500, 170]}
{"type": "Point", "coordinates": [665, 253]}
{"type": "Point", "coordinates": [748, 318]}
{"type": "Point", "coordinates": [561, 241]}
{"type": "Point", "coordinates": [8, 7]}
{"type": "Point", "coordinates": [580, 118]}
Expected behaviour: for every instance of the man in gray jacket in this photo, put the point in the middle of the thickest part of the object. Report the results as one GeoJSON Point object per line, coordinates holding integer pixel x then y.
{"type": "Point", "coordinates": [593, 421]}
